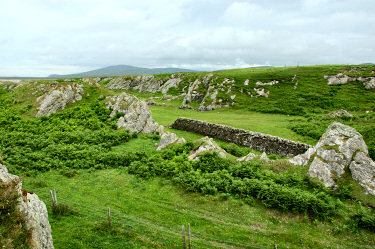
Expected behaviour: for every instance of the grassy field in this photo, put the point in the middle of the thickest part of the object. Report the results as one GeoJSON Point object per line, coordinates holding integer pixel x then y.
{"type": "Point", "coordinates": [93, 166]}
{"type": "Point", "coordinates": [150, 213]}
{"type": "Point", "coordinates": [274, 124]}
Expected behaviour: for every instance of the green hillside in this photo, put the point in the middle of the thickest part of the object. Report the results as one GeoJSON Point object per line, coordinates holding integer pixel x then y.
{"type": "Point", "coordinates": [119, 70]}
{"type": "Point", "coordinates": [79, 152]}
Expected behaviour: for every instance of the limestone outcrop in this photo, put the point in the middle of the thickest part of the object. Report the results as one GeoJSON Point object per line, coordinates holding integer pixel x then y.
{"type": "Point", "coordinates": [251, 156]}
{"type": "Point", "coordinates": [35, 213]}
{"type": "Point", "coordinates": [211, 101]}
{"type": "Point", "coordinates": [169, 84]}
{"type": "Point", "coordinates": [207, 145]}
{"type": "Point", "coordinates": [271, 83]}
{"type": "Point", "coordinates": [341, 149]}
{"type": "Point", "coordinates": [136, 117]}
{"type": "Point", "coordinates": [56, 100]}
{"type": "Point", "coordinates": [168, 138]}
{"type": "Point", "coordinates": [192, 93]}
{"type": "Point", "coordinates": [340, 113]}
{"type": "Point", "coordinates": [261, 93]}
{"type": "Point", "coordinates": [370, 84]}
{"type": "Point", "coordinates": [341, 79]}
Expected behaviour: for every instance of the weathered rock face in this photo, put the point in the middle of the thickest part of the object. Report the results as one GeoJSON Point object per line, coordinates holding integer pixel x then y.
{"type": "Point", "coordinates": [261, 92]}
{"type": "Point", "coordinates": [142, 83]}
{"type": "Point", "coordinates": [341, 149]}
{"type": "Point", "coordinates": [208, 145]}
{"type": "Point", "coordinates": [192, 94]}
{"type": "Point", "coordinates": [137, 117]}
{"type": "Point", "coordinates": [370, 84]}
{"type": "Point", "coordinates": [251, 156]}
{"type": "Point", "coordinates": [340, 113]}
{"type": "Point", "coordinates": [169, 84]}
{"type": "Point", "coordinates": [211, 100]}
{"type": "Point", "coordinates": [341, 79]}
{"type": "Point", "coordinates": [271, 83]}
{"type": "Point", "coordinates": [255, 140]}
{"type": "Point", "coordinates": [168, 138]}
{"type": "Point", "coordinates": [35, 212]}
{"type": "Point", "coordinates": [55, 100]}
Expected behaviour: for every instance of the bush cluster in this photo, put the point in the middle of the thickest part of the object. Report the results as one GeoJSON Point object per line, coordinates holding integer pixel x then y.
{"type": "Point", "coordinates": [77, 138]}
{"type": "Point", "coordinates": [212, 174]}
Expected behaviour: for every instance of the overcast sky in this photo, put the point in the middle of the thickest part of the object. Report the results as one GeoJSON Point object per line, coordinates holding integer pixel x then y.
{"type": "Point", "coordinates": [41, 37]}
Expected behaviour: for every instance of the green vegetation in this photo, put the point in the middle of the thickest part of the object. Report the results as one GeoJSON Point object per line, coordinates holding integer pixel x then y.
{"type": "Point", "coordinates": [149, 213]}
{"type": "Point", "coordinates": [13, 232]}
{"type": "Point", "coordinates": [93, 166]}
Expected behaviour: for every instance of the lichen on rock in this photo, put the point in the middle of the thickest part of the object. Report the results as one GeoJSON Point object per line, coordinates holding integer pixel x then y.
{"type": "Point", "coordinates": [168, 138]}
{"type": "Point", "coordinates": [341, 149]}
{"type": "Point", "coordinates": [136, 117]}
{"type": "Point", "coordinates": [56, 100]}
{"type": "Point", "coordinates": [34, 211]}
{"type": "Point", "coordinates": [207, 145]}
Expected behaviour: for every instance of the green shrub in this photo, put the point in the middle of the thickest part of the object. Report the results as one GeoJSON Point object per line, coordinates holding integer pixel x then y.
{"type": "Point", "coordinates": [62, 210]}
{"type": "Point", "coordinates": [13, 231]}
{"type": "Point", "coordinates": [364, 218]}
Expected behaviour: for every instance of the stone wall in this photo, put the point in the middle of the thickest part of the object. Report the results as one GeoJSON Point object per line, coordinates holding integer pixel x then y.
{"type": "Point", "coordinates": [255, 140]}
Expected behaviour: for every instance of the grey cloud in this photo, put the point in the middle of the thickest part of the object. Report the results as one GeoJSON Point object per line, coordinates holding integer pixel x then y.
{"type": "Point", "coordinates": [42, 37]}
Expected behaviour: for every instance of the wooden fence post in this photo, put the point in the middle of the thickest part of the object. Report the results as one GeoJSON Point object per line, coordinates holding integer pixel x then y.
{"type": "Point", "coordinates": [183, 237]}
{"type": "Point", "coordinates": [189, 234]}
{"type": "Point", "coordinates": [109, 217]}
{"type": "Point", "coordinates": [54, 194]}
{"type": "Point", "coordinates": [52, 198]}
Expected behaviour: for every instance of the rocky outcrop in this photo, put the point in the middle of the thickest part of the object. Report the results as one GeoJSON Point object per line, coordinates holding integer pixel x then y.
{"type": "Point", "coordinates": [56, 100]}
{"type": "Point", "coordinates": [169, 84]}
{"type": "Point", "coordinates": [251, 156]}
{"type": "Point", "coordinates": [142, 83]}
{"type": "Point", "coordinates": [168, 138]}
{"type": "Point", "coordinates": [341, 79]}
{"type": "Point", "coordinates": [255, 140]}
{"type": "Point", "coordinates": [35, 213]}
{"type": "Point", "coordinates": [341, 149]}
{"type": "Point", "coordinates": [211, 101]}
{"type": "Point", "coordinates": [271, 83]}
{"type": "Point", "coordinates": [370, 84]}
{"type": "Point", "coordinates": [91, 81]}
{"type": "Point", "coordinates": [340, 113]}
{"type": "Point", "coordinates": [136, 115]}
{"type": "Point", "coordinates": [192, 93]}
{"type": "Point", "coordinates": [261, 93]}
{"type": "Point", "coordinates": [207, 145]}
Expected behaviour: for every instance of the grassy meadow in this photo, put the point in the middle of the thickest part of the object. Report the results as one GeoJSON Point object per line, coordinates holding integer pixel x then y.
{"type": "Point", "coordinates": [93, 166]}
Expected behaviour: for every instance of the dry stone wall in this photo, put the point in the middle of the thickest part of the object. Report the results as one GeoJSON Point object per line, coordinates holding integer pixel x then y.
{"type": "Point", "coordinates": [255, 140]}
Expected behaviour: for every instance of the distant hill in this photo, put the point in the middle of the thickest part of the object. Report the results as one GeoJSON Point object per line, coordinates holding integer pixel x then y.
{"type": "Point", "coordinates": [120, 70]}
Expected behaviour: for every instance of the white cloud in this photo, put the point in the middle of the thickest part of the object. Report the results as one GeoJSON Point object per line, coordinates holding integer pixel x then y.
{"type": "Point", "coordinates": [42, 37]}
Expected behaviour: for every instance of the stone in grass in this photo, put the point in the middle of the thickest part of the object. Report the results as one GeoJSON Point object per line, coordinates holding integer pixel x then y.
{"type": "Point", "coordinates": [251, 156]}
{"type": "Point", "coordinates": [340, 149]}
{"type": "Point", "coordinates": [136, 117]}
{"type": "Point", "coordinates": [34, 211]}
{"type": "Point", "coordinates": [168, 138]}
{"type": "Point", "coordinates": [207, 145]}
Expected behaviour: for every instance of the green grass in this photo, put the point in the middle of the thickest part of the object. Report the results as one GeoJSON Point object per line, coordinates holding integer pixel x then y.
{"type": "Point", "coordinates": [150, 213]}
{"type": "Point", "coordinates": [274, 124]}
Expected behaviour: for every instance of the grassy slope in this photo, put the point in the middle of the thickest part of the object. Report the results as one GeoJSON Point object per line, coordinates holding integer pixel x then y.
{"type": "Point", "coordinates": [149, 213]}
{"type": "Point", "coordinates": [155, 200]}
{"type": "Point", "coordinates": [254, 121]}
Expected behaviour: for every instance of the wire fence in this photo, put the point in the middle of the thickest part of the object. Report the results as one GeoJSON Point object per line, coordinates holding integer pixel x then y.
{"type": "Point", "coordinates": [140, 225]}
